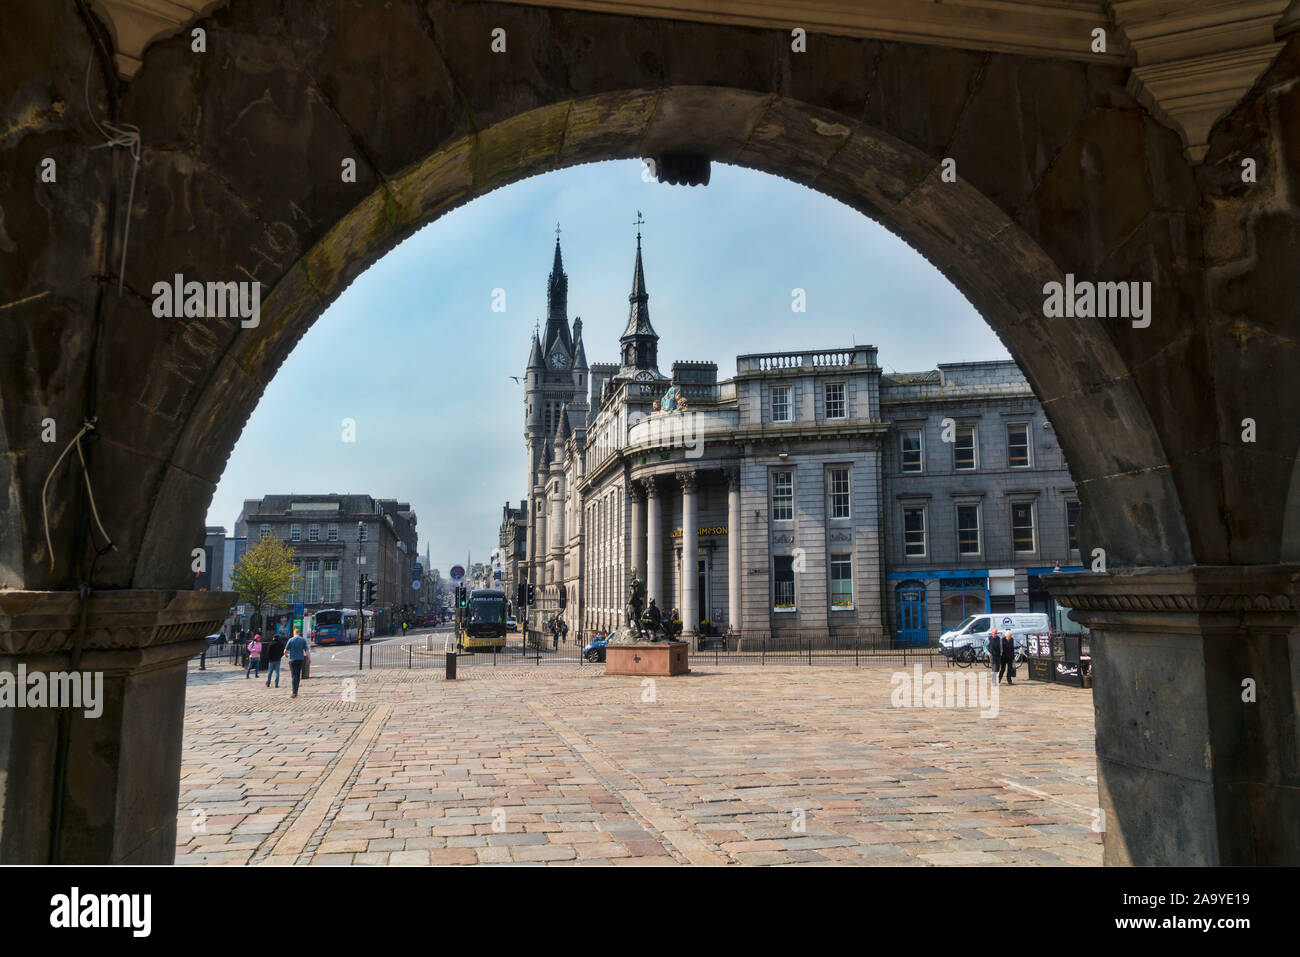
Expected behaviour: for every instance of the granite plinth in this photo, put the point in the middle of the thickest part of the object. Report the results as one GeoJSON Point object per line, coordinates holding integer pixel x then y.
{"type": "Point", "coordinates": [658, 659]}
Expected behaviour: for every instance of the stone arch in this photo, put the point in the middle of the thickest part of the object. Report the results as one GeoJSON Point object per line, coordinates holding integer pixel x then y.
{"type": "Point", "coordinates": [1080, 376]}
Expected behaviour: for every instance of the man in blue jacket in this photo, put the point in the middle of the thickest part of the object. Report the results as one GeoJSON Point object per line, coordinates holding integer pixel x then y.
{"type": "Point", "coordinates": [296, 649]}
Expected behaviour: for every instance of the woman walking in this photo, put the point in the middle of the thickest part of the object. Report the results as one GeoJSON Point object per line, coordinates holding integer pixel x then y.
{"type": "Point", "coordinates": [995, 654]}
{"type": "Point", "coordinates": [254, 657]}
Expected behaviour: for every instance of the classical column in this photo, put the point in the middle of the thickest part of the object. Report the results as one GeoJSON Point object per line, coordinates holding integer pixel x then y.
{"type": "Point", "coordinates": [690, 609]}
{"type": "Point", "coordinates": [654, 545]}
{"type": "Point", "coordinates": [1194, 672]}
{"type": "Point", "coordinates": [638, 530]}
{"type": "Point", "coordinates": [733, 551]}
{"type": "Point", "coordinates": [99, 782]}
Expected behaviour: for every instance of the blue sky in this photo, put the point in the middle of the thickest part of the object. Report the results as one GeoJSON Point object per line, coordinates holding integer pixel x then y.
{"type": "Point", "coordinates": [413, 352]}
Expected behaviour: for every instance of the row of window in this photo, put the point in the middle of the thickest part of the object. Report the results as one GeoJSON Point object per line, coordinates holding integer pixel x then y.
{"type": "Point", "coordinates": [970, 538]}
{"type": "Point", "coordinates": [841, 580]}
{"type": "Point", "coordinates": [965, 448]}
{"type": "Point", "coordinates": [311, 586]}
{"type": "Point", "coordinates": [313, 533]}
{"type": "Point", "coordinates": [782, 407]}
{"type": "Point", "coordinates": [838, 503]}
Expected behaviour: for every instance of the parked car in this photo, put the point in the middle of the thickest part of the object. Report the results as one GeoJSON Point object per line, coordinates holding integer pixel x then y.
{"type": "Point", "coordinates": [511, 624]}
{"type": "Point", "coordinates": [217, 639]}
{"type": "Point", "coordinates": [595, 649]}
{"type": "Point", "coordinates": [972, 635]}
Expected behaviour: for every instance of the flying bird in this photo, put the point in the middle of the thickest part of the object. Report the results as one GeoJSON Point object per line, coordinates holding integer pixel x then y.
{"type": "Point", "coordinates": [516, 378]}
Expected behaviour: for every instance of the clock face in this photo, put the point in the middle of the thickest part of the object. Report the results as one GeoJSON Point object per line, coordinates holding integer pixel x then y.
{"type": "Point", "coordinates": [558, 361]}
{"type": "Point", "coordinates": [644, 376]}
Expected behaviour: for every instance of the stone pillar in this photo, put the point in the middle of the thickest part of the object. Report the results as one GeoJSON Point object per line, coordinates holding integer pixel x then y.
{"type": "Point", "coordinates": [654, 545]}
{"type": "Point", "coordinates": [112, 797]}
{"type": "Point", "coordinates": [690, 609]}
{"type": "Point", "coordinates": [638, 531]}
{"type": "Point", "coordinates": [1196, 686]}
{"type": "Point", "coordinates": [733, 551]}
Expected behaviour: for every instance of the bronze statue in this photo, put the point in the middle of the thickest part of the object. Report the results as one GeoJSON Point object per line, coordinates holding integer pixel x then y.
{"type": "Point", "coordinates": [635, 602]}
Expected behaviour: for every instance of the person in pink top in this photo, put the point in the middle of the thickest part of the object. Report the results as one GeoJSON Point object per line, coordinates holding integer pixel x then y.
{"type": "Point", "coordinates": [254, 657]}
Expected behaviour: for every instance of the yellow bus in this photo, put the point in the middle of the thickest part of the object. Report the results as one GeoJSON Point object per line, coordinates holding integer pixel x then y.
{"type": "Point", "coordinates": [481, 624]}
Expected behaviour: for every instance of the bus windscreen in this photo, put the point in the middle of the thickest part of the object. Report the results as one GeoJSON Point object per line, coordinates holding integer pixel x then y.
{"type": "Point", "coordinates": [487, 611]}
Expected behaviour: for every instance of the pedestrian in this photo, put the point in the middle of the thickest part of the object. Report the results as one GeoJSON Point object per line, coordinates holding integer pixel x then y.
{"type": "Point", "coordinates": [272, 653]}
{"type": "Point", "coordinates": [995, 653]}
{"type": "Point", "coordinates": [254, 657]}
{"type": "Point", "coordinates": [403, 627]}
{"type": "Point", "coordinates": [1008, 656]}
{"type": "Point", "coordinates": [296, 649]}
{"type": "Point", "coordinates": [564, 630]}
{"type": "Point", "coordinates": [555, 634]}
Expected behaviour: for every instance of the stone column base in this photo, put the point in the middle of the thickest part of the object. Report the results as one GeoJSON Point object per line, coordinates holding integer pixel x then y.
{"type": "Point", "coordinates": [121, 777]}
{"type": "Point", "coordinates": [1196, 685]}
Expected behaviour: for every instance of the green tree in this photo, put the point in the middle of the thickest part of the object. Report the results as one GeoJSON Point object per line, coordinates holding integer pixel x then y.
{"type": "Point", "coordinates": [265, 575]}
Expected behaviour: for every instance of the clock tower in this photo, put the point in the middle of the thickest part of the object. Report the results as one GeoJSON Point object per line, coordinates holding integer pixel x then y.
{"type": "Point", "coordinates": [556, 375]}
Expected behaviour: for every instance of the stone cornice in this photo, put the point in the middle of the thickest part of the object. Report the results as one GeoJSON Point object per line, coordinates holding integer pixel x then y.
{"type": "Point", "coordinates": [1194, 61]}
{"type": "Point", "coordinates": [43, 622]}
{"type": "Point", "coordinates": [1188, 599]}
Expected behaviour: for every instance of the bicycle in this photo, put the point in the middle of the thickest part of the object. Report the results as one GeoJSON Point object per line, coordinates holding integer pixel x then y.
{"type": "Point", "coordinates": [971, 654]}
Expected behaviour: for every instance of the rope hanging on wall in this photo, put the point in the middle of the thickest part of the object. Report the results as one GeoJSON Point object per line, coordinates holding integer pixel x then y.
{"type": "Point", "coordinates": [86, 426]}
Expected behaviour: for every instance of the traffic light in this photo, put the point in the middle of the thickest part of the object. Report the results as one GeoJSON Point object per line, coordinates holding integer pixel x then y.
{"type": "Point", "coordinates": [462, 595]}
{"type": "Point", "coordinates": [521, 593]}
{"type": "Point", "coordinates": [370, 592]}
{"type": "Point", "coordinates": [532, 597]}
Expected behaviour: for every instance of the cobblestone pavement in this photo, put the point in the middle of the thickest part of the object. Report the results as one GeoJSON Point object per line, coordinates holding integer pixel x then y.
{"type": "Point", "coordinates": [741, 765]}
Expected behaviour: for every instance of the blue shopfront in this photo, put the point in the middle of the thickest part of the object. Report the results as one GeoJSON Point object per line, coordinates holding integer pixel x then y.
{"type": "Point", "coordinates": [956, 594]}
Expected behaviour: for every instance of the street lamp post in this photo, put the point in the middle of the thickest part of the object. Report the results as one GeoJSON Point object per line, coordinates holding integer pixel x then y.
{"type": "Point", "coordinates": [361, 609]}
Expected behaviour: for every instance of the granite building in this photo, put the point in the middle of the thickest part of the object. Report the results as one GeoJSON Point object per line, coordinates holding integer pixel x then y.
{"type": "Point", "coordinates": [512, 548]}
{"type": "Point", "coordinates": [809, 496]}
{"type": "Point", "coordinates": [334, 538]}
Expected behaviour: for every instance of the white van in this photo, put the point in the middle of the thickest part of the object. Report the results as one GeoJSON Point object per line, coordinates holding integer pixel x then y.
{"type": "Point", "coordinates": [973, 633]}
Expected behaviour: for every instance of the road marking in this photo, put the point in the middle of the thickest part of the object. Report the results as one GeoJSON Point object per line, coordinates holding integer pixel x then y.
{"type": "Point", "coordinates": [289, 847]}
{"type": "Point", "coordinates": [675, 831]}
{"type": "Point", "coordinates": [1041, 795]}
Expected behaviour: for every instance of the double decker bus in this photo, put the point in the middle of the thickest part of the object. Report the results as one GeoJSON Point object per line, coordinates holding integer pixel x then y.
{"type": "Point", "coordinates": [338, 626]}
{"type": "Point", "coordinates": [482, 622]}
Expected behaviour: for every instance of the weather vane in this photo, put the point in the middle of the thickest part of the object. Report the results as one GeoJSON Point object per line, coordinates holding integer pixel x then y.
{"type": "Point", "coordinates": [639, 223]}
{"type": "Point", "coordinates": [557, 232]}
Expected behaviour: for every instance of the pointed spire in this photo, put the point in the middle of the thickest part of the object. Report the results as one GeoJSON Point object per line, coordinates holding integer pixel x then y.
{"type": "Point", "coordinates": [579, 353]}
{"type": "Point", "coordinates": [638, 318]}
{"type": "Point", "coordinates": [535, 357]}
{"type": "Point", "coordinates": [557, 304]}
{"type": "Point", "coordinates": [562, 428]}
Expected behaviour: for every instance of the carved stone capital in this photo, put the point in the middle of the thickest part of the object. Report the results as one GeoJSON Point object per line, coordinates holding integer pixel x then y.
{"type": "Point", "coordinates": [733, 479]}
{"type": "Point", "coordinates": [637, 490]}
{"type": "Point", "coordinates": [1191, 599]}
{"type": "Point", "coordinates": [46, 622]}
{"type": "Point", "coordinates": [689, 480]}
